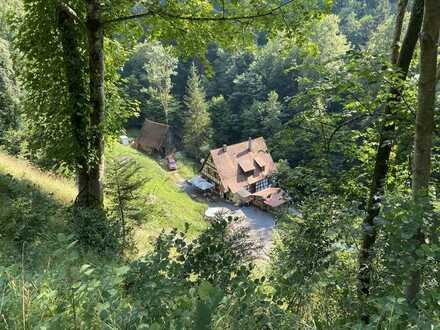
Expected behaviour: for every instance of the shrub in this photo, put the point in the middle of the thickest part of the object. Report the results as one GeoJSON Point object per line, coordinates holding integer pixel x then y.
{"type": "Point", "coordinates": [93, 230]}
{"type": "Point", "coordinates": [314, 261]}
{"type": "Point", "coordinates": [24, 211]}
{"type": "Point", "coordinates": [163, 278]}
{"type": "Point", "coordinates": [219, 252]}
{"type": "Point", "coordinates": [71, 295]}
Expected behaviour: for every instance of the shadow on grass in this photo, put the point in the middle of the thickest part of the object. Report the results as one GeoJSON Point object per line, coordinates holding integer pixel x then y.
{"type": "Point", "coordinates": [29, 219]}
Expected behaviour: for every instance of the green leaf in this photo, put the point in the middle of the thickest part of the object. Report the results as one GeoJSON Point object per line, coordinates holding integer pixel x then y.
{"type": "Point", "coordinates": [205, 290]}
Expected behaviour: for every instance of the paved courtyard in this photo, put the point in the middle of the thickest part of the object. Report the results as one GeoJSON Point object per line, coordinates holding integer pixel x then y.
{"type": "Point", "coordinates": [260, 223]}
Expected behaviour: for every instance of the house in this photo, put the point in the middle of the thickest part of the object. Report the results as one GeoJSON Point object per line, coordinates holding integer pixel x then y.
{"type": "Point", "coordinates": [153, 137]}
{"type": "Point", "coordinates": [242, 172]}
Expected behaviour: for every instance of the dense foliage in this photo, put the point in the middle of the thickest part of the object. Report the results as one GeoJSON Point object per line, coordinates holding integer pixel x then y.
{"type": "Point", "coordinates": [316, 79]}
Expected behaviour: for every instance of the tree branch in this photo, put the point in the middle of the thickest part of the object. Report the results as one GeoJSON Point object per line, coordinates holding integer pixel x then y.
{"type": "Point", "coordinates": [69, 11]}
{"type": "Point", "coordinates": [200, 18]}
{"type": "Point", "coordinates": [130, 17]}
{"type": "Point", "coordinates": [398, 31]}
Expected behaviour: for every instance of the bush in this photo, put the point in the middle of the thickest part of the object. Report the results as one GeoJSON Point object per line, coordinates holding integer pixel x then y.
{"type": "Point", "coordinates": [218, 259]}
{"type": "Point", "coordinates": [158, 292]}
{"type": "Point", "coordinates": [24, 211]}
{"type": "Point", "coordinates": [93, 230]}
{"type": "Point", "coordinates": [314, 262]}
{"type": "Point", "coordinates": [219, 252]}
{"type": "Point", "coordinates": [71, 295]}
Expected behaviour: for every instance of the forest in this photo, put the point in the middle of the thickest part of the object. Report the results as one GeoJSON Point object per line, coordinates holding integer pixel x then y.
{"type": "Point", "coordinates": [95, 234]}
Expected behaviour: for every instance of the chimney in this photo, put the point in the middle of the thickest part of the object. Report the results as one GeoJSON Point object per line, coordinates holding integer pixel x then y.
{"type": "Point", "coordinates": [250, 144]}
{"type": "Point", "coordinates": [225, 148]}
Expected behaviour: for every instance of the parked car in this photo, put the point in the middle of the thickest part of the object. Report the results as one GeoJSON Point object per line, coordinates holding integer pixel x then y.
{"type": "Point", "coordinates": [171, 163]}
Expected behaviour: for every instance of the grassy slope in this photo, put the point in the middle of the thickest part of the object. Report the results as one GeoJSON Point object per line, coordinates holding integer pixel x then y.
{"type": "Point", "coordinates": [169, 206]}
{"type": "Point", "coordinates": [63, 190]}
{"type": "Point", "coordinates": [39, 264]}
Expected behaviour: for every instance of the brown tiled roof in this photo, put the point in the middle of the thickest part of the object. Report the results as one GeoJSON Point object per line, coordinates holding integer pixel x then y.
{"type": "Point", "coordinates": [246, 163]}
{"type": "Point", "coordinates": [238, 158]}
{"type": "Point", "coordinates": [152, 136]}
{"type": "Point", "coordinates": [266, 193]}
{"type": "Point", "coordinates": [273, 197]}
{"type": "Point", "coordinates": [275, 200]}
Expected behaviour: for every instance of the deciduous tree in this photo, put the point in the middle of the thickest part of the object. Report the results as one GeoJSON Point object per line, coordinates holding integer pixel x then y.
{"type": "Point", "coordinates": [386, 143]}
{"type": "Point", "coordinates": [423, 136]}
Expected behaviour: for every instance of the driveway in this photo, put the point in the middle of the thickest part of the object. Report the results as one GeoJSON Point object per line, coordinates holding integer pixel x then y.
{"type": "Point", "coordinates": [260, 223]}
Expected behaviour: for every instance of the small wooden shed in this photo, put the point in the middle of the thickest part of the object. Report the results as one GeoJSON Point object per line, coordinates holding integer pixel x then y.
{"type": "Point", "coordinates": [153, 137]}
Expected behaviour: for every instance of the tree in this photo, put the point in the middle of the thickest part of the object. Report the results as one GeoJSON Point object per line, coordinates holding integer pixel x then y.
{"type": "Point", "coordinates": [262, 118]}
{"type": "Point", "coordinates": [197, 131]}
{"type": "Point", "coordinates": [160, 66]}
{"type": "Point", "coordinates": [330, 42]}
{"type": "Point", "coordinates": [93, 20]}
{"type": "Point", "coordinates": [8, 91]}
{"type": "Point", "coordinates": [359, 18]}
{"type": "Point", "coordinates": [8, 10]}
{"type": "Point", "coordinates": [60, 75]}
{"type": "Point", "coordinates": [423, 136]}
{"type": "Point", "coordinates": [272, 114]}
{"type": "Point", "coordinates": [402, 63]}
{"type": "Point", "coordinates": [219, 110]}
{"type": "Point", "coordinates": [125, 209]}
{"type": "Point", "coordinates": [273, 61]}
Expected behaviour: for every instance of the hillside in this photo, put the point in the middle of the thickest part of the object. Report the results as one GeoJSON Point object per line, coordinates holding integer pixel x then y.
{"type": "Point", "coordinates": [61, 189]}
{"type": "Point", "coordinates": [166, 200]}
{"type": "Point", "coordinates": [314, 123]}
{"type": "Point", "coordinates": [169, 207]}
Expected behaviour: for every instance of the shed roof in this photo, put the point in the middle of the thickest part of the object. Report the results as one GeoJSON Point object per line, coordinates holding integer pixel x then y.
{"type": "Point", "coordinates": [152, 136]}
{"type": "Point", "coordinates": [272, 197]}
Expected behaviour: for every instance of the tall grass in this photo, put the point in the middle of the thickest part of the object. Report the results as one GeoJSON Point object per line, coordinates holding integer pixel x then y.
{"type": "Point", "coordinates": [62, 189]}
{"type": "Point", "coordinates": [169, 206]}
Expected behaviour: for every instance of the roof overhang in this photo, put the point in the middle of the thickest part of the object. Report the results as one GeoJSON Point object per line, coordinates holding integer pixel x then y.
{"type": "Point", "coordinates": [201, 183]}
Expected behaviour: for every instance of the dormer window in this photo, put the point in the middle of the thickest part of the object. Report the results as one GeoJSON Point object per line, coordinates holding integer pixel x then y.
{"type": "Point", "coordinates": [246, 164]}
{"type": "Point", "coordinates": [260, 161]}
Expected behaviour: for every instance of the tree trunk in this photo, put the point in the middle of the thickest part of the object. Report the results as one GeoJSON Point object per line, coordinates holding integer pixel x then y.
{"type": "Point", "coordinates": [424, 129]}
{"type": "Point", "coordinates": [398, 31]}
{"type": "Point", "coordinates": [78, 96]}
{"type": "Point", "coordinates": [90, 182]}
{"type": "Point", "coordinates": [385, 145]}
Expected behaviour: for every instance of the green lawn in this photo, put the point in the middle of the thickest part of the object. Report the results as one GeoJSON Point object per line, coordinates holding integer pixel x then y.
{"type": "Point", "coordinates": [186, 168]}
{"type": "Point", "coordinates": [169, 206]}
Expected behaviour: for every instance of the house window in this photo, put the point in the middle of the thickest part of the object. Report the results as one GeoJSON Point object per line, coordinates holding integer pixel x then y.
{"type": "Point", "coordinates": [211, 174]}
{"type": "Point", "coordinates": [262, 184]}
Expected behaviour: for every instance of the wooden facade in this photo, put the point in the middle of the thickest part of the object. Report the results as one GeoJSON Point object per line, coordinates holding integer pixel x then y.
{"type": "Point", "coordinates": [210, 173]}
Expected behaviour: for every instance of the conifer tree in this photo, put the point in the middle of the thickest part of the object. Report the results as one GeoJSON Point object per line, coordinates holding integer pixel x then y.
{"type": "Point", "coordinates": [197, 131]}
{"type": "Point", "coordinates": [125, 207]}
